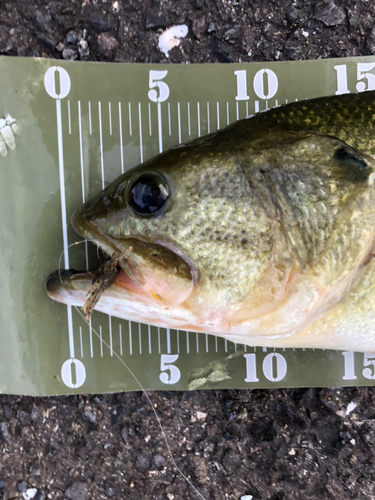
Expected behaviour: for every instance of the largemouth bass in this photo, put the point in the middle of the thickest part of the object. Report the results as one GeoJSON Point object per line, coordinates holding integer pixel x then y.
{"type": "Point", "coordinates": [262, 233]}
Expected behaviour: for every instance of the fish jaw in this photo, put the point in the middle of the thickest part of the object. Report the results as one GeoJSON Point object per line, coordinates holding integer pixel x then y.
{"type": "Point", "coordinates": [343, 328]}
{"type": "Point", "coordinates": [167, 277]}
{"type": "Point", "coordinates": [124, 300]}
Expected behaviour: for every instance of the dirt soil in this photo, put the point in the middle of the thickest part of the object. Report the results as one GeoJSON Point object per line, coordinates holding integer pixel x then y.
{"type": "Point", "coordinates": [275, 445]}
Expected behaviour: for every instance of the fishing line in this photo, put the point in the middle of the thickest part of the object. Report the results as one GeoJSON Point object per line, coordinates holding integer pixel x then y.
{"type": "Point", "coordinates": [72, 245]}
{"type": "Point", "coordinates": [150, 403]}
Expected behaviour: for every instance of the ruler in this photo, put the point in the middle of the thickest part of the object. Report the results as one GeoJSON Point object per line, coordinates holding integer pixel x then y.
{"type": "Point", "coordinates": [83, 124]}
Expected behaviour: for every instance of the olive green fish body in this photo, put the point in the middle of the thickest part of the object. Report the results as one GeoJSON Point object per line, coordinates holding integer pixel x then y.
{"type": "Point", "coordinates": [262, 232]}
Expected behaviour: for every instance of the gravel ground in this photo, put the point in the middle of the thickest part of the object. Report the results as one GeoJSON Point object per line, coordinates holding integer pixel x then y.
{"type": "Point", "coordinates": [275, 445]}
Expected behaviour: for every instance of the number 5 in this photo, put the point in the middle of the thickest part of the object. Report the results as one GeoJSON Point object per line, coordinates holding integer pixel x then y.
{"type": "Point", "coordinates": [361, 86]}
{"type": "Point", "coordinates": [154, 81]}
{"type": "Point", "coordinates": [369, 360]}
{"type": "Point", "coordinates": [174, 373]}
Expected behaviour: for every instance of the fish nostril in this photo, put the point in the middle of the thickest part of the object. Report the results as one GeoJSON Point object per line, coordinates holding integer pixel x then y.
{"type": "Point", "coordinates": [106, 201]}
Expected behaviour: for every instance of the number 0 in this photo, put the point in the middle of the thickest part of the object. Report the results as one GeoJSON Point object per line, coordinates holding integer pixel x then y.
{"type": "Point", "coordinates": [259, 83]}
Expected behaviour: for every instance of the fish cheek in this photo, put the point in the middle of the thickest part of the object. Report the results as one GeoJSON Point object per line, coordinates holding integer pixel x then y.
{"type": "Point", "coordinates": [161, 273]}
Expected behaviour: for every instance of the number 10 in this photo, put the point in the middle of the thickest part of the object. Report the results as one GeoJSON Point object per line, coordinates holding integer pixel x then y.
{"type": "Point", "coordinates": [263, 78]}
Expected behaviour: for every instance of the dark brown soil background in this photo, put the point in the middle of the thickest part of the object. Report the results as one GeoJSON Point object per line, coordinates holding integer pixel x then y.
{"type": "Point", "coordinates": [274, 445]}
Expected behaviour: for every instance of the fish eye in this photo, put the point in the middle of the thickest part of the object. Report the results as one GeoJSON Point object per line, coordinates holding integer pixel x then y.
{"type": "Point", "coordinates": [148, 194]}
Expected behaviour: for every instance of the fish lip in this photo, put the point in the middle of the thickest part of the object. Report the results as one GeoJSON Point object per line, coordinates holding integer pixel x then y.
{"type": "Point", "coordinates": [91, 233]}
{"type": "Point", "coordinates": [63, 279]}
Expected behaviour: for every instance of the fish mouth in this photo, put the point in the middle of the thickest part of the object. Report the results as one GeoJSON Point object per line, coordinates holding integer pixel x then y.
{"type": "Point", "coordinates": [141, 271]}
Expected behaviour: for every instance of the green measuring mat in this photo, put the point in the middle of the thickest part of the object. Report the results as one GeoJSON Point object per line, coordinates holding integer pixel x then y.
{"type": "Point", "coordinates": [69, 129]}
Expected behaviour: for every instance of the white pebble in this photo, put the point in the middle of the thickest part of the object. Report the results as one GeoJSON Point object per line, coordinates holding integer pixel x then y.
{"type": "Point", "coordinates": [8, 137]}
{"type": "Point", "coordinates": [30, 493]}
{"type": "Point", "coordinates": [351, 407]}
{"type": "Point", "coordinates": [171, 38]}
{"type": "Point", "coordinates": [201, 415]}
{"type": "Point", "coordinates": [8, 130]}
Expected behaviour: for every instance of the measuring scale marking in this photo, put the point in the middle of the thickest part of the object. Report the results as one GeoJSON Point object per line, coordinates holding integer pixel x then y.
{"type": "Point", "coordinates": [199, 132]}
{"type": "Point", "coordinates": [177, 121]}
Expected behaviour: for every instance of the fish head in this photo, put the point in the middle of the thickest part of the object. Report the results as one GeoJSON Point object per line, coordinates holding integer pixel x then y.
{"type": "Point", "coordinates": [250, 232]}
{"type": "Point", "coordinates": [196, 231]}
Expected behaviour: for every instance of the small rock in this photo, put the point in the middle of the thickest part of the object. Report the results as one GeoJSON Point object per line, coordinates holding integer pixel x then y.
{"type": "Point", "coordinates": [351, 407]}
{"type": "Point", "coordinates": [22, 486]}
{"type": "Point", "coordinates": [27, 52]}
{"type": "Point", "coordinates": [201, 415]}
{"type": "Point", "coordinates": [107, 45]}
{"type": "Point", "coordinates": [110, 489]}
{"type": "Point", "coordinates": [291, 52]}
{"type": "Point", "coordinates": [42, 20]}
{"type": "Point", "coordinates": [77, 491]}
{"type": "Point", "coordinates": [142, 462]}
{"type": "Point", "coordinates": [156, 21]}
{"type": "Point", "coordinates": [231, 461]}
{"type": "Point", "coordinates": [26, 433]}
{"type": "Point", "coordinates": [35, 469]}
{"type": "Point", "coordinates": [211, 28]}
{"type": "Point", "coordinates": [71, 38]}
{"type": "Point", "coordinates": [292, 16]}
{"type": "Point", "coordinates": [2, 484]}
{"type": "Point", "coordinates": [36, 412]}
{"type": "Point", "coordinates": [23, 417]}
{"type": "Point", "coordinates": [40, 495]}
{"type": "Point", "coordinates": [328, 12]}
{"type": "Point", "coordinates": [70, 54]}
{"type": "Point", "coordinates": [5, 432]}
{"type": "Point", "coordinates": [220, 52]}
{"type": "Point", "coordinates": [47, 42]}
{"type": "Point", "coordinates": [31, 494]}
{"type": "Point", "coordinates": [56, 18]}
{"type": "Point", "coordinates": [199, 27]}
{"type": "Point", "coordinates": [6, 45]}
{"type": "Point", "coordinates": [100, 24]}
{"type": "Point", "coordinates": [89, 415]}
{"type": "Point", "coordinates": [232, 33]}
{"type": "Point", "coordinates": [158, 461]}
{"type": "Point", "coordinates": [50, 450]}
{"type": "Point", "coordinates": [233, 429]}
{"type": "Point", "coordinates": [83, 49]}
{"type": "Point", "coordinates": [198, 4]}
